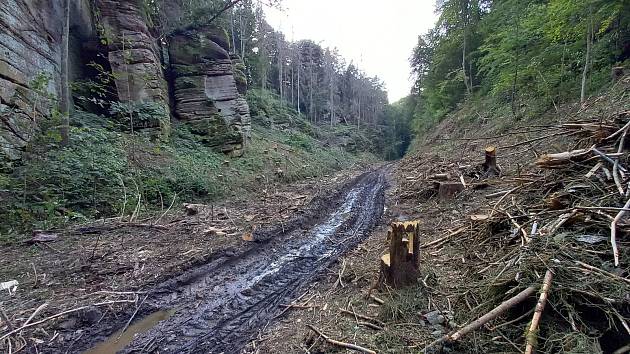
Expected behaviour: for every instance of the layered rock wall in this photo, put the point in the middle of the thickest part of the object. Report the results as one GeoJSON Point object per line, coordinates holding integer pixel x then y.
{"type": "Point", "coordinates": [207, 95]}
{"type": "Point", "coordinates": [30, 54]}
{"type": "Point", "coordinates": [208, 83]}
{"type": "Point", "coordinates": [29, 71]}
{"type": "Point", "coordinates": [133, 55]}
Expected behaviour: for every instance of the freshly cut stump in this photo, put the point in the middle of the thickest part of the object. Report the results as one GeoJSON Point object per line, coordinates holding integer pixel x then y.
{"type": "Point", "coordinates": [490, 165]}
{"type": "Point", "coordinates": [400, 266]}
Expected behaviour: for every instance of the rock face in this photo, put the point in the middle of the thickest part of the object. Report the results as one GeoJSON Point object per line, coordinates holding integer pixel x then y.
{"type": "Point", "coordinates": [29, 52]}
{"type": "Point", "coordinates": [134, 57]}
{"type": "Point", "coordinates": [208, 83]}
{"type": "Point", "coordinates": [208, 88]}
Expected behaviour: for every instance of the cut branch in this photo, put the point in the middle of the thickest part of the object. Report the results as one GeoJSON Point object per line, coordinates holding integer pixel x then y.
{"type": "Point", "coordinates": [613, 232]}
{"type": "Point", "coordinates": [341, 344]}
{"type": "Point", "coordinates": [496, 312]}
{"type": "Point", "coordinates": [540, 306]}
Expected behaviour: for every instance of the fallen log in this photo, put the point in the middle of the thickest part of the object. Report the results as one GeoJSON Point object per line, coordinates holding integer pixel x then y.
{"type": "Point", "coordinates": [561, 159]}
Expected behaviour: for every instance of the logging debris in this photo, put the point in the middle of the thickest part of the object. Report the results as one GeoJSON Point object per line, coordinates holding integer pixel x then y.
{"type": "Point", "coordinates": [561, 214]}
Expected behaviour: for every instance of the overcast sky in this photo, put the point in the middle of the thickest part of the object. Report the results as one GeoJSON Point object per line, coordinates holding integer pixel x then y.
{"type": "Point", "coordinates": [377, 35]}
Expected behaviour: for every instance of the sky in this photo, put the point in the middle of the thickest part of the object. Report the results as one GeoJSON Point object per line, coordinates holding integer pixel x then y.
{"type": "Point", "coordinates": [379, 36]}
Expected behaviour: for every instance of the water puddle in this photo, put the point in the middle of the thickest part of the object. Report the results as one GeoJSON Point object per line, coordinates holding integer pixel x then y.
{"type": "Point", "coordinates": [117, 341]}
{"type": "Point", "coordinates": [320, 233]}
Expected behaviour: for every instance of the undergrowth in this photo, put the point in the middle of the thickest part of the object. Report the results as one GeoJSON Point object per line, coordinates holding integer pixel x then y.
{"type": "Point", "coordinates": [105, 172]}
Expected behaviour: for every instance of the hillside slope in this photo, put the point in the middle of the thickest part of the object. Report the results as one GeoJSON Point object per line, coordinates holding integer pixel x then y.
{"type": "Point", "coordinates": [499, 236]}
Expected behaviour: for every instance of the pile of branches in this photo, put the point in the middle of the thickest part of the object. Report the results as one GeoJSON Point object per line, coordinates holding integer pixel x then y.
{"type": "Point", "coordinates": [549, 256]}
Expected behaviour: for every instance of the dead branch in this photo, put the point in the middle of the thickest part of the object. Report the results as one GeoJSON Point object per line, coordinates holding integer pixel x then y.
{"type": "Point", "coordinates": [363, 317]}
{"type": "Point", "coordinates": [613, 232]}
{"type": "Point", "coordinates": [5, 318]}
{"type": "Point", "coordinates": [167, 210]}
{"type": "Point", "coordinates": [377, 300]}
{"type": "Point", "coordinates": [540, 306]}
{"type": "Point", "coordinates": [532, 140]}
{"type": "Point", "coordinates": [601, 271]}
{"type": "Point", "coordinates": [341, 344]}
{"type": "Point", "coordinates": [37, 310]}
{"type": "Point", "coordinates": [607, 158]}
{"type": "Point", "coordinates": [616, 165]}
{"type": "Point", "coordinates": [445, 238]}
{"type": "Point", "coordinates": [561, 159]}
{"type": "Point", "coordinates": [504, 306]}
{"type": "Point", "coordinates": [132, 317]}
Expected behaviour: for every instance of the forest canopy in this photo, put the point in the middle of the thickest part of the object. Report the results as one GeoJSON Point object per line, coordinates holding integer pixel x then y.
{"type": "Point", "coordinates": [541, 52]}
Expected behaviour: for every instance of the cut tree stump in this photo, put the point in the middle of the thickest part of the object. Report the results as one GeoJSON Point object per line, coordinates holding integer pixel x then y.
{"type": "Point", "coordinates": [400, 266]}
{"type": "Point", "coordinates": [490, 165]}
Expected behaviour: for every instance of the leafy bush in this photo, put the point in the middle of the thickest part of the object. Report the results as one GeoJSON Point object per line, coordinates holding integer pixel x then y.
{"type": "Point", "coordinates": [61, 184]}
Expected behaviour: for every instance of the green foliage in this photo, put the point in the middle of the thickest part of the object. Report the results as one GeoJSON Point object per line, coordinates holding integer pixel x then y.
{"type": "Point", "coordinates": [134, 115]}
{"type": "Point", "coordinates": [97, 90]}
{"type": "Point", "coordinates": [516, 52]}
{"type": "Point", "coordinates": [58, 185]}
{"type": "Point", "coordinates": [266, 108]}
{"type": "Point", "coordinates": [103, 172]}
{"type": "Point", "coordinates": [398, 134]}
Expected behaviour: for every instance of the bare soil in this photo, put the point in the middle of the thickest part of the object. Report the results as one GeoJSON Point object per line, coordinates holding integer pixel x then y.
{"type": "Point", "coordinates": [108, 272]}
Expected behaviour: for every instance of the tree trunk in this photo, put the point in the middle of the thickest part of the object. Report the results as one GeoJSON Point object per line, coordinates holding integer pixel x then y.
{"type": "Point", "coordinates": [490, 165]}
{"type": "Point", "coordinates": [292, 82]}
{"type": "Point", "coordinates": [242, 35]}
{"type": "Point", "coordinates": [464, 65]}
{"type": "Point", "coordinates": [310, 91]}
{"type": "Point", "coordinates": [332, 103]}
{"type": "Point", "coordinates": [64, 105]}
{"type": "Point", "coordinates": [232, 30]}
{"type": "Point", "coordinates": [280, 66]}
{"type": "Point", "coordinates": [587, 57]}
{"type": "Point", "coordinates": [359, 115]}
{"type": "Point", "coordinates": [516, 67]}
{"type": "Point", "coordinates": [298, 83]}
{"type": "Point", "coordinates": [465, 22]}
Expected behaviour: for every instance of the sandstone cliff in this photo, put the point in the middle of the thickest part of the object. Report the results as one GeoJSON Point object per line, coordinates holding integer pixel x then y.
{"type": "Point", "coordinates": [208, 83]}
{"type": "Point", "coordinates": [205, 88]}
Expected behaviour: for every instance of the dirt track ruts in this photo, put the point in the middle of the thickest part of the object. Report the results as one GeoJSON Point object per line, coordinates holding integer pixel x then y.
{"type": "Point", "coordinates": [220, 306]}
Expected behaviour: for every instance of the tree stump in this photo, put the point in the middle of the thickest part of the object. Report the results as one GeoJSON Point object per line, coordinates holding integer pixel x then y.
{"type": "Point", "coordinates": [400, 266]}
{"type": "Point", "coordinates": [490, 165]}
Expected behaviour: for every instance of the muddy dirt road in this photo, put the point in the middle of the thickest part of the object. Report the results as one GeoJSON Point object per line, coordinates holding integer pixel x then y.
{"type": "Point", "coordinates": [219, 307]}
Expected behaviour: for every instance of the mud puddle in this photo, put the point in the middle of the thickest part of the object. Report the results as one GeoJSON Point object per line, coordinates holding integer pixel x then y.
{"type": "Point", "coordinates": [119, 340]}
{"type": "Point", "coordinates": [222, 305]}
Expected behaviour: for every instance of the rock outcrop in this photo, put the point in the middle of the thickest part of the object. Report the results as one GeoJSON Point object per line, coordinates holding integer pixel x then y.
{"type": "Point", "coordinates": [30, 54]}
{"type": "Point", "coordinates": [208, 83]}
{"type": "Point", "coordinates": [208, 95]}
{"type": "Point", "coordinates": [29, 72]}
{"type": "Point", "coordinates": [134, 58]}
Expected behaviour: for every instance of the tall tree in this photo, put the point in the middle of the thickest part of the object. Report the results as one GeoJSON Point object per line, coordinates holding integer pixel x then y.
{"type": "Point", "coordinates": [64, 103]}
